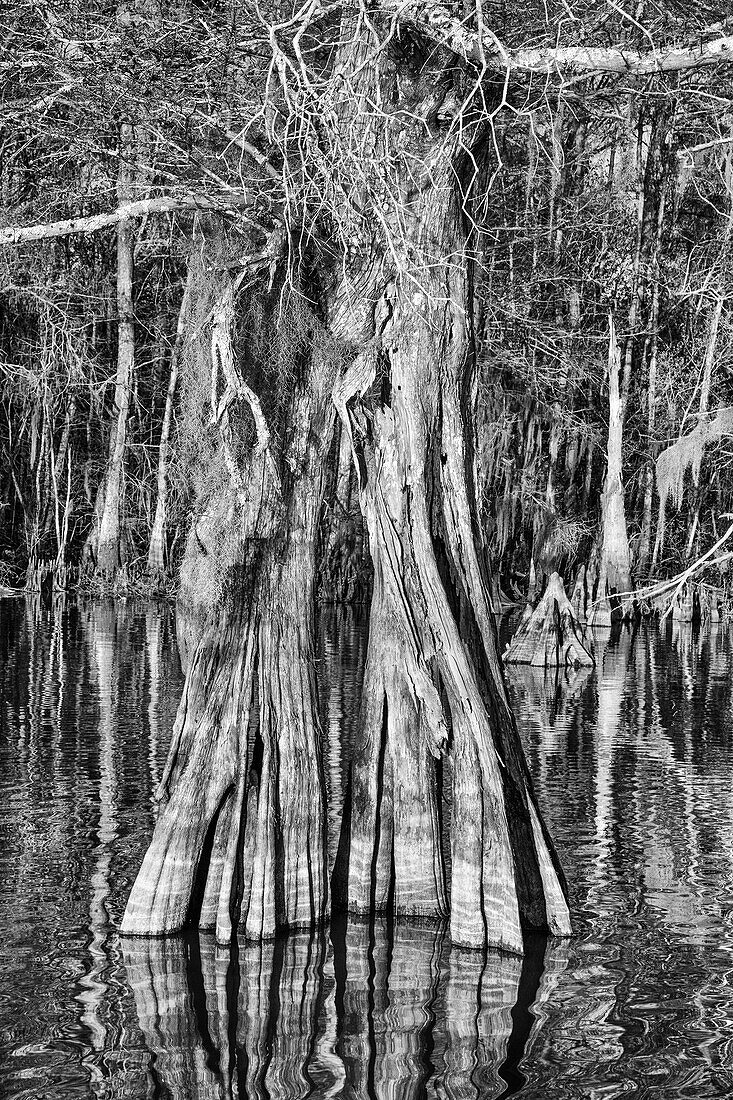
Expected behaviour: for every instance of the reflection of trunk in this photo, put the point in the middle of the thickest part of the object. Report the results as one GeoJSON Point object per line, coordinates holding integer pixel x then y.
{"type": "Point", "coordinates": [480, 997]}
{"type": "Point", "coordinates": [157, 551]}
{"type": "Point", "coordinates": [423, 1017]}
{"type": "Point", "coordinates": [612, 665]}
{"type": "Point", "coordinates": [240, 835]}
{"type": "Point", "coordinates": [177, 1035]}
{"type": "Point", "coordinates": [433, 681]}
{"type": "Point", "coordinates": [190, 1016]}
{"type": "Point", "coordinates": [109, 550]}
{"type": "Point", "coordinates": [340, 655]}
{"type": "Point", "coordinates": [102, 625]}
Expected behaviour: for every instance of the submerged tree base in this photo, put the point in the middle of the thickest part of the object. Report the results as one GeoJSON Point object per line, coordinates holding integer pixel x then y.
{"type": "Point", "coordinates": [594, 603]}
{"type": "Point", "coordinates": [548, 635]}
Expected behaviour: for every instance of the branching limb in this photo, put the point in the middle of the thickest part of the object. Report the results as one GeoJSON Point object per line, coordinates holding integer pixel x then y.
{"type": "Point", "coordinates": [163, 204]}
{"type": "Point", "coordinates": [438, 23]}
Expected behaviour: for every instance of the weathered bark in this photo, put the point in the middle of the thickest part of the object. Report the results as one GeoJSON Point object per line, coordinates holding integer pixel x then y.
{"type": "Point", "coordinates": [158, 549]}
{"type": "Point", "coordinates": [547, 635]}
{"type": "Point", "coordinates": [434, 688]}
{"type": "Point", "coordinates": [240, 835]}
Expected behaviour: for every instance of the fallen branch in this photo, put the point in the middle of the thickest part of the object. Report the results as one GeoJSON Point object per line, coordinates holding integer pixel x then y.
{"type": "Point", "coordinates": [678, 582]}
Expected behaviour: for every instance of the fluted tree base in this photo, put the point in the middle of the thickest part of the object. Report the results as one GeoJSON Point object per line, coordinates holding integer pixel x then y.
{"type": "Point", "coordinates": [239, 840]}
{"type": "Point", "coordinates": [444, 817]}
{"type": "Point", "coordinates": [548, 634]}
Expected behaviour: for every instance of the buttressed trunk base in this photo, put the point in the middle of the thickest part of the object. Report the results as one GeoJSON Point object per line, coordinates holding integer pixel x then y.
{"type": "Point", "coordinates": [240, 837]}
{"type": "Point", "coordinates": [439, 742]}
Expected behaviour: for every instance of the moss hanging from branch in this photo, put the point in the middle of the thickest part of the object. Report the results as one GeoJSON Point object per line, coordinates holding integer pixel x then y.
{"type": "Point", "coordinates": [687, 453]}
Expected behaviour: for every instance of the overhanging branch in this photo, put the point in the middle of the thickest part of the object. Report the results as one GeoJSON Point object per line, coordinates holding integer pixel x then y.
{"type": "Point", "coordinates": [19, 234]}
{"type": "Point", "coordinates": [439, 24]}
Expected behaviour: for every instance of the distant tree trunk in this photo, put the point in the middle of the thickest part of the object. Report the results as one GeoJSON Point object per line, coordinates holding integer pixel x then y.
{"type": "Point", "coordinates": [158, 549]}
{"type": "Point", "coordinates": [109, 553]}
{"type": "Point", "coordinates": [615, 557]}
{"type": "Point", "coordinates": [437, 730]}
{"type": "Point", "coordinates": [646, 523]}
{"type": "Point", "coordinates": [609, 571]}
{"type": "Point", "coordinates": [707, 380]}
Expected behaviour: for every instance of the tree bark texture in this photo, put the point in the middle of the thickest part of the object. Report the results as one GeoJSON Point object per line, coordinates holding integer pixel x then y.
{"type": "Point", "coordinates": [437, 732]}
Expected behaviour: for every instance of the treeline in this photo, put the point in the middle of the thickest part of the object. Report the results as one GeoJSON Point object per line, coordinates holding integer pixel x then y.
{"type": "Point", "coordinates": [601, 194]}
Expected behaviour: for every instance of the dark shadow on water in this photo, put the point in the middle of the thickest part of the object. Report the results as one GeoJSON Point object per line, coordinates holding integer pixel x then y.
{"type": "Point", "coordinates": [523, 1018]}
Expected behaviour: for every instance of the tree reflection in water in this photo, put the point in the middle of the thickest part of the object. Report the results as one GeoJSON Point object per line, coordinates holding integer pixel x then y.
{"type": "Point", "coordinates": [367, 1010]}
{"type": "Point", "coordinates": [633, 764]}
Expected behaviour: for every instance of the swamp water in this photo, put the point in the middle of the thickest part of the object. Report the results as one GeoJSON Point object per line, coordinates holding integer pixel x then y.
{"type": "Point", "coordinates": [633, 764]}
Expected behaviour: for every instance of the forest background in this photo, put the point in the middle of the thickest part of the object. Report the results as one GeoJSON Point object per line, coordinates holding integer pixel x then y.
{"type": "Point", "coordinates": [148, 148]}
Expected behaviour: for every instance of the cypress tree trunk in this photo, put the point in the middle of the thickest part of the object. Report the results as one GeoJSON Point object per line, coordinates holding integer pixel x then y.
{"type": "Point", "coordinates": [240, 834]}
{"type": "Point", "coordinates": [437, 732]}
{"type": "Point", "coordinates": [609, 571]}
{"type": "Point", "coordinates": [157, 551]}
{"type": "Point", "coordinates": [615, 557]}
{"type": "Point", "coordinates": [547, 635]}
{"type": "Point", "coordinates": [243, 826]}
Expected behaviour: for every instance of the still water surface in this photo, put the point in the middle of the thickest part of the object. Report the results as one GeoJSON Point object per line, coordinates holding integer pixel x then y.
{"type": "Point", "coordinates": [634, 768]}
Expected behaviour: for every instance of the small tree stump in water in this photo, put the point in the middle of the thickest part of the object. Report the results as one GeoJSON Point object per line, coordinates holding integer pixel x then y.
{"type": "Point", "coordinates": [683, 604]}
{"type": "Point", "coordinates": [548, 634]}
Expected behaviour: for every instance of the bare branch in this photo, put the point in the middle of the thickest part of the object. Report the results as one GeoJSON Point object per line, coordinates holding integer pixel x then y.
{"type": "Point", "coordinates": [438, 23]}
{"type": "Point", "coordinates": [19, 234]}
